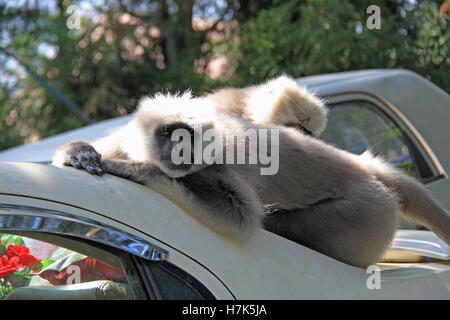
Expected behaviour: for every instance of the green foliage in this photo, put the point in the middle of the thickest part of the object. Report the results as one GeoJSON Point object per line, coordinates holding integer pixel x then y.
{"type": "Point", "coordinates": [8, 238]}
{"type": "Point", "coordinates": [5, 289]}
{"type": "Point", "coordinates": [127, 49]}
{"type": "Point", "coordinates": [45, 263]}
{"type": "Point", "coordinates": [319, 36]}
{"type": "Point", "coordinates": [408, 168]}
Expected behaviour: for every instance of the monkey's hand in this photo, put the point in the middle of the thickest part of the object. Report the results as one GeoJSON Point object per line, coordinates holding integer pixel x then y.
{"type": "Point", "coordinates": [80, 155]}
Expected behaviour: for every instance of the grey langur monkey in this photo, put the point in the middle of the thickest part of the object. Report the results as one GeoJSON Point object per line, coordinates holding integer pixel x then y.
{"type": "Point", "coordinates": [337, 203]}
{"type": "Point", "coordinates": [141, 152]}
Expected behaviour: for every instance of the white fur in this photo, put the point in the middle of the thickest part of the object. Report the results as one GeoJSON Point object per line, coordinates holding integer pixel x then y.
{"type": "Point", "coordinates": [281, 101]}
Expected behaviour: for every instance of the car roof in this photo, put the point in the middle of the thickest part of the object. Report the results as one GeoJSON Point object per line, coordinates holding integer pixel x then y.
{"type": "Point", "coordinates": [42, 151]}
{"type": "Point", "coordinates": [332, 78]}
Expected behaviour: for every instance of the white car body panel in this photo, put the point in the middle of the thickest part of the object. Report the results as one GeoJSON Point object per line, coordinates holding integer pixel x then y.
{"type": "Point", "coordinates": [265, 266]}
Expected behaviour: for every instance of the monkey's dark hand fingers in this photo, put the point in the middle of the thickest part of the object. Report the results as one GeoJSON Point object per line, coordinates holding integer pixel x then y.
{"type": "Point", "coordinates": [90, 163]}
{"type": "Point", "coordinates": [80, 155]}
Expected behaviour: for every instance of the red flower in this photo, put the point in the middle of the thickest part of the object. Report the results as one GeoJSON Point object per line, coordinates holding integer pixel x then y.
{"type": "Point", "coordinates": [16, 258]}
{"type": "Point", "coordinates": [6, 262]}
{"type": "Point", "coordinates": [9, 266]}
{"type": "Point", "coordinates": [23, 254]}
{"type": "Point", "coordinates": [18, 250]}
{"type": "Point", "coordinates": [5, 271]}
{"type": "Point", "coordinates": [27, 259]}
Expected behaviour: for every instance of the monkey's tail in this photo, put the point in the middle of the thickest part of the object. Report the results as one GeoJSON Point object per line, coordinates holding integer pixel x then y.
{"type": "Point", "coordinates": [416, 201]}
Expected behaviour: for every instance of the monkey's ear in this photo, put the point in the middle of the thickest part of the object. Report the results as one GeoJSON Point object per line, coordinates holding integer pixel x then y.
{"type": "Point", "coordinates": [281, 101]}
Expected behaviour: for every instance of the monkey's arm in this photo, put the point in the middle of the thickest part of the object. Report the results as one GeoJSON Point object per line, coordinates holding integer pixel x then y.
{"type": "Point", "coordinates": [110, 147]}
{"type": "Point", "coordinates": [215, 196]}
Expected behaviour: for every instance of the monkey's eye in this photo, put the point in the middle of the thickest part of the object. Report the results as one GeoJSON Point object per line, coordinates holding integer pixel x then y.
{"type": "Point", "coordinates": [164, 131]}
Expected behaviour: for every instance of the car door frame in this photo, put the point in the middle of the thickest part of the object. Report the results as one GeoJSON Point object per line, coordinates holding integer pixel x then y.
{"type": "Point", "coordinates": [159, 251]}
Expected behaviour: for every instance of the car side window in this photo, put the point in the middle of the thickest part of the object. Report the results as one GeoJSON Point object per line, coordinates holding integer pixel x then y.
{"type": "Point", "coordinates": [360, 125]}
{"type": "Point", "coordinates": [36, 269]}
{"type": "Point", "coordinates": [175, 284]}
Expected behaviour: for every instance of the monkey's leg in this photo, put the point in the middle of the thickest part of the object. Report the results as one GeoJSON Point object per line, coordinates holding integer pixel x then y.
{"type": "Point", "coordinates": [215, 196]}
{"type": "Point", "coordinates": [354, 232]}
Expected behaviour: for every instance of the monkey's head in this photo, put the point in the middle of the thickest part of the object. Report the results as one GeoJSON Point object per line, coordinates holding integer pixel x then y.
{"type": "Point", "coordinates": [173, 126]}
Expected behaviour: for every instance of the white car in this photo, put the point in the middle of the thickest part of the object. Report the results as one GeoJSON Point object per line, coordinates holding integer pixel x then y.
{"type": "Point", "coordinates": [79, 236]}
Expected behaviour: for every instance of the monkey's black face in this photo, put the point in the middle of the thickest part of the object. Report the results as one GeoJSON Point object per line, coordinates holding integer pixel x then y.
{"type": "Point", "coordinates": [176, 145]}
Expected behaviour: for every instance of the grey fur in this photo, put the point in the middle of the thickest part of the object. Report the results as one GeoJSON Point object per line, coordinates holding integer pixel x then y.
{"type": "Point", "coordinates": [335, 202]}
{"type": "Point", "coordinates": [338, 203]}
